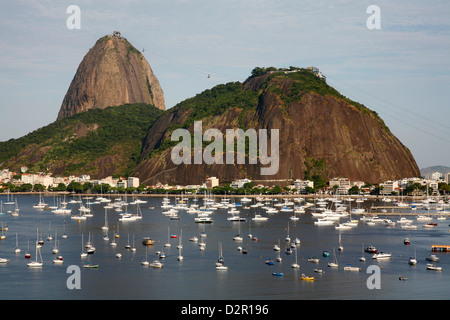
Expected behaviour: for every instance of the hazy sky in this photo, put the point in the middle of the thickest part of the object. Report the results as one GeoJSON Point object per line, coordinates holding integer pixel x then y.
{"type": "Point", "coordinates": [402, 71]}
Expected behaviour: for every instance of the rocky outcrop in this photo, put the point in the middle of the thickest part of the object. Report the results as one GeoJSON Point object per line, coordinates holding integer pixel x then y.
{"type": "Point", "coordinates": [112, 73]}
{"type": "Point", "coordinates": [320, 133]}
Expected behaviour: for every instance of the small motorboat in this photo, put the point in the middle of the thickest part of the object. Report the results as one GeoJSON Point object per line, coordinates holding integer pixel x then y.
{"type": "Point", "coordinates": [318, 270]}
{"type": "Point", "coordinates": [402, 278]}
{"type": "Point", "coordinates": [433, 258]}
{"type": "Point", "coordinates": [406, 241]}
{"type": "Point", "coordinates": [58, 260]}
{"type": "Point", "coordinates": [350, 268]}
{"type": "Point", "coordinates": [147, 241]}
{"type": "Point", "coordinates": [381, 255]}
{"type": "Point", "coordinates": [221, 267]}
{"type": "Point", "coordinates": [90, 266]}
{"type": "Point", "coordinates": [433, 267]}
{"type": "Point", "coordinates": [371, 249]}
{"type": "Point", "coordinates": [307, 278]}
{"type": "Point", "coordinates": [313, 259]}
{"type": "Point", "coordinates": [270, 262]}
{"type": "Point", "coordinates": [277, 274]}
{"type": "Point", "coordinates": [156, 264]}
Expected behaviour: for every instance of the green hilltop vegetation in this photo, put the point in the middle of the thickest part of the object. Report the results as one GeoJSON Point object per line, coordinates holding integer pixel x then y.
{"type": "Point", "coordinates": [215, 101]}
{"type": "Point", "coordinates": [74, 143]}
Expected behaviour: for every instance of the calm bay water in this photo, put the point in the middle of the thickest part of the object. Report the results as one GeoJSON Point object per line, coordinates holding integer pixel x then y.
{"type": "Point", "coordinates": [195, 278]}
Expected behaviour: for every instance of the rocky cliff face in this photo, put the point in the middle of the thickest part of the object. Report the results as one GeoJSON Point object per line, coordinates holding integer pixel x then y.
{"type": "Point", "coordinates": [112, 73]}
{"type": "Point", "coordinates": [320, 133]}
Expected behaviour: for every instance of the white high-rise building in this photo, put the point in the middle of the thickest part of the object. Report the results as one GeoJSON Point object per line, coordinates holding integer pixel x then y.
{"type": "Point", "coordinates": [133, 182]}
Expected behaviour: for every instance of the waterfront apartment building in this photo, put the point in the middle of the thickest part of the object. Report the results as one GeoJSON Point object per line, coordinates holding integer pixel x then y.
{"type": "Point", "coordinates": [212, 182]}
{"type": "Point", "coordinates": [301, 185]}
{"type": "Point", "coordinates": [133, 182]}
{"type": "Point", "coordinates": [435, 175]}
{"type": "Point", "coordinates": [389, 186]}
{"type": "Point", "coordinates": [343, 185]}
{"type": "Point", "coordinates": [239, 183]}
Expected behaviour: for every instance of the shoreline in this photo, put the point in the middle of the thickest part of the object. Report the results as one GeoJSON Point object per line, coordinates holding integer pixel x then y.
{"type": "Point", "coordinates": [306, 196]}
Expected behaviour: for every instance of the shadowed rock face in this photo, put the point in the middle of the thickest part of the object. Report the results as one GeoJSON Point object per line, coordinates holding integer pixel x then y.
{"type": "Point", "coordinates": [112, 73]}
{"type": "Point", "coordinates": [348, 140]}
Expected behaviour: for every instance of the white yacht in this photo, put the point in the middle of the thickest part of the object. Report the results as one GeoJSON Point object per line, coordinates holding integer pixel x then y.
{"type": "Point", "coordinates": [382, 255]}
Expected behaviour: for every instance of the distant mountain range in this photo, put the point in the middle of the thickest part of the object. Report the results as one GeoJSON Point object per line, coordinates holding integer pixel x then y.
{"type": "Point", "coordinates": [428, 170]}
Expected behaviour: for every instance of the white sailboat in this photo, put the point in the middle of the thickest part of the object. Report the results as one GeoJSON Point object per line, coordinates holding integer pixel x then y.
{"type": "Point", "coordinates": [180, 246]}
{"type": "Point", "coordinates": [413, 260]}
{"type": "Point", "coordinates": [295, 265]}
{"type": "Point", "coordinates": [220, 260]}
{"type": "Point", "coordinates": [83, 253]}
{"type": "Point", "coordinates": [36, 263]}
{"type": "Point", "coordinates": [41, 205]}
{"type": "Point", "coordinates": [238, 237]}
{"type": "Point", "coordinates": [49, 236]}
{"type": "Point", "coordinates": [15, 213]}
{"type": "Point", "coordinates": [133, 248]}
{"type": "Point", "coordinates": [17, 250]}
{"type": "Point", "coordinates": [362, 258]}
{"type": "Point", "coordinates": [341, 247]}
{"type": "Point", "coordinates": [105, 226]}
{"type": "Point", "coordinates": [90, 249]}
{"type": "Point", "coordinates": [168, 244]}
{"type": "Point", "coordinates": [145, 262]}
{"type": "Point", "coordinates": [59, 258]}
{"type": "Point", "coordinates": [64, 236]}
{"type": "Point", "coordinates": [288, 239]}
{"type": "Point", "coordinates": [55, 249]}
{"type": "Point", "coordinates": [335, 262]}
{"type": "Point", "coordinates": [9, 201]}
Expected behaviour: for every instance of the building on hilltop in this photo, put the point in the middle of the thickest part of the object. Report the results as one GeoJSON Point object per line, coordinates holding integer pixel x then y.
{"type": "Point", "coordinates": [317, 73]}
